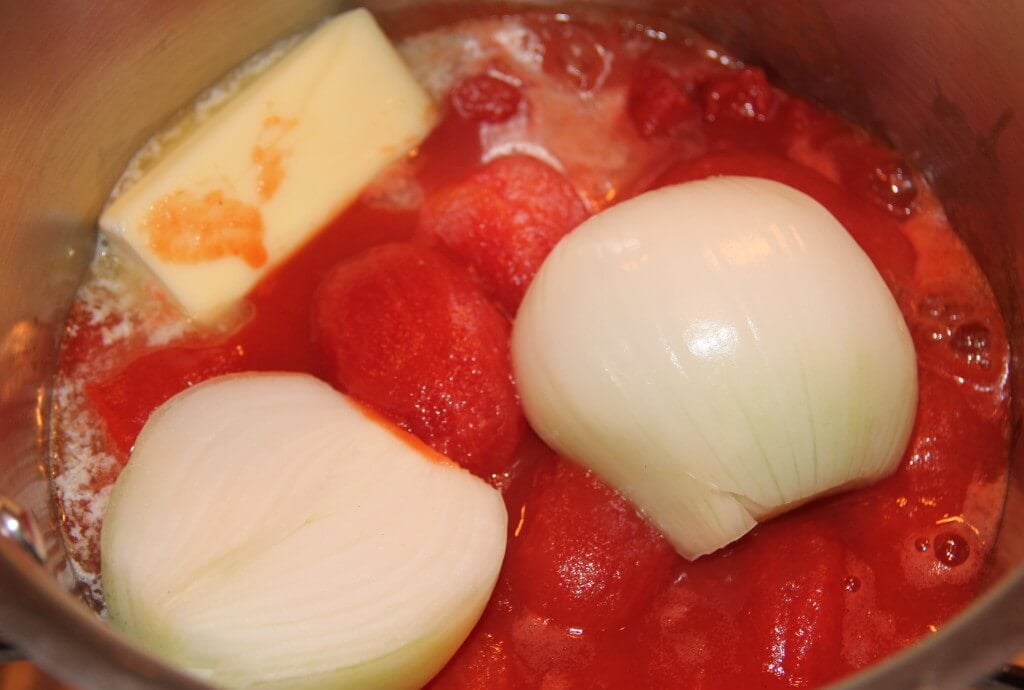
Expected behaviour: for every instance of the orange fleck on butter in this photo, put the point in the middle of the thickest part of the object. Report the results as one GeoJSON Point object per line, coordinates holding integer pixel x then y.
{"type": "Point", "coordinates": [185, 228]}
{"type": "Point", "coordinates": [269, 153]}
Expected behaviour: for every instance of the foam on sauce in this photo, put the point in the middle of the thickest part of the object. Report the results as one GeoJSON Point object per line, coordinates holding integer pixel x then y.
{"type": "Point", "coordinates": [930, 525]}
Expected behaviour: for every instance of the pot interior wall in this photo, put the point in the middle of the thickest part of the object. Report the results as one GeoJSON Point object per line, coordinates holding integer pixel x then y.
{"type": "Point", "coordinates": [86, 84]}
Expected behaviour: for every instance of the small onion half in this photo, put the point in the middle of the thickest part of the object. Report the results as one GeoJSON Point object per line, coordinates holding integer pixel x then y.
{"type": "Point", "coordinates": [719, 351]}
{"type": "Point", "coordinates": [267, 532]}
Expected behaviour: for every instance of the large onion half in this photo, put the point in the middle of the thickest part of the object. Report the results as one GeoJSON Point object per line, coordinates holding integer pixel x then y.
{"type": "Point", "coordinates": [268, 533]}
{"type": "Point", "coordinates": [719, 351]}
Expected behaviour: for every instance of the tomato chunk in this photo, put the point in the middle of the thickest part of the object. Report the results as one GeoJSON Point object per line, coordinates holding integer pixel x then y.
{"type": "Point", "coordinates": [584, 557]}
{"type": "Point", "coordinates": [796, 616]}
{"type": "Point", "coordinates": [504, 220]}
{"type": "Point", "coordinates": [485, 98]}
{"type": "Point", "coordinates": [657, 104]}
{"type": "Point", "coordinates": [684, 628]}
{"type": "Point", "coordinates": [406, 331]}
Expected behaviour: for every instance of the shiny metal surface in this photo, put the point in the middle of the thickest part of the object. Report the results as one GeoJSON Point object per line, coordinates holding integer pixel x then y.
{"type": "Point", "coordinates": [84, 84]}
{"type": "Point", "coordinates": [18, 527]}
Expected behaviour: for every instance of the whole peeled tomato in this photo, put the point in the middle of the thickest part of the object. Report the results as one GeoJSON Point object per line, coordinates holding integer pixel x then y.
{"type": "Point", "coordinates": [407, 331]}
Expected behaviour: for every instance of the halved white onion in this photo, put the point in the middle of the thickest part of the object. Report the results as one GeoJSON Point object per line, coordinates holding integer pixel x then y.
{"type": "Point", "coordinates": [268, 533]}
{"type": "Point", "coordinates": [719, 351]}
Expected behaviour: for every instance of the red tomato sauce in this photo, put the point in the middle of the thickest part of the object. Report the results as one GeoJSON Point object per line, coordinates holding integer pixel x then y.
{"type": "Point", "coordinates": [408, 306]}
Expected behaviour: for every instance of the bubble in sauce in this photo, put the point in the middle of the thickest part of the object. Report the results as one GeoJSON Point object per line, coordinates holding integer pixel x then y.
{"type": "Point", "coordinates": [971, 342]}
{"type": "Point", "coordinates": [951, 549]}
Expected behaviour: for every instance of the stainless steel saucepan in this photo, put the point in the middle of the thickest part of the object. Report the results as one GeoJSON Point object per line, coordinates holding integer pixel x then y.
{"type": "Point", "coordinates": [84, 84]}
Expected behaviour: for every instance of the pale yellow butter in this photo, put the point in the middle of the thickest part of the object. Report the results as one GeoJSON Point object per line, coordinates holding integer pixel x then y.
{"type": "Point", "coordinates": [264, 174]}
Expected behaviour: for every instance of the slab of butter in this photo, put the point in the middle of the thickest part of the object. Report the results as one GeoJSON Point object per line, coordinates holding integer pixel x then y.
{"type": "Point", "coordinates": [265, 173]}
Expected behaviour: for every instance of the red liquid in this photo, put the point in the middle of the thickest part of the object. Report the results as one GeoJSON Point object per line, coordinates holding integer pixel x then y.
{"type": "Point", "coordinates": [590, 595]}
